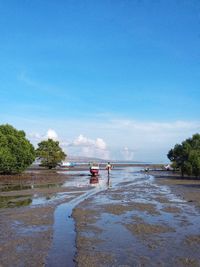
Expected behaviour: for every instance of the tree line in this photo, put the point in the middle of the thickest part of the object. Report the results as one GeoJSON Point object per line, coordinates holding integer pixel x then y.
{"type": "Point", "coordinates": [17, 153]}
{"type": "Point", "coordinates": [186, 156]}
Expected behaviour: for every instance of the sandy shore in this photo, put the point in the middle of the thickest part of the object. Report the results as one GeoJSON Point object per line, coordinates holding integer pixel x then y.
{"type": "Point", "coordinates": [26, 231]}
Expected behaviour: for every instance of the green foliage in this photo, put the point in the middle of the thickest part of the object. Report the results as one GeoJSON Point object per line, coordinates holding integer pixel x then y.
{"type": "Point", "coordinates": [50, 153]}
{"type": "Point", "coordinates": [186, 156]}
{"type": "Point", "coordinates": [16, 152]}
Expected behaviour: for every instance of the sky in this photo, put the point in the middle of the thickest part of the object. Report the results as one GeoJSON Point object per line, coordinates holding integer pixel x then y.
{"type": "Point", "coordinates": [115, 79]}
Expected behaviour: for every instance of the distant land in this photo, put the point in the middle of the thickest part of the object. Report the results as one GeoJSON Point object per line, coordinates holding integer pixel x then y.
{"type": "Point", "coordinates": [88, 159]}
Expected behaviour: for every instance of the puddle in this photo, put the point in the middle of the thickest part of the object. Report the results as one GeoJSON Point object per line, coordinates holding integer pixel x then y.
{"type": "Point", "coordinates": [20, 187]}
{"type": "Point", "coordinates": [31, 229]}
{"type": "Point", "coordinates": [15, 201]}
{"type": "Point", "coordinates": [53, 198]}
{"type": "Point", "coordinates": [34, 200]}
{"type": "Point", "coordinates": [8, 187]}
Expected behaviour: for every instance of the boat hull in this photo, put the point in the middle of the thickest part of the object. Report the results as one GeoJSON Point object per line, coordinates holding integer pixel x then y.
{"type": "Point", "coordinates": [94, 172]}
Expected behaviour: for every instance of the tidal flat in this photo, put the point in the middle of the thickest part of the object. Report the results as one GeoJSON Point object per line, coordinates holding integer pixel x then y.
{"type": "Point", "coordinates": [130, 218]}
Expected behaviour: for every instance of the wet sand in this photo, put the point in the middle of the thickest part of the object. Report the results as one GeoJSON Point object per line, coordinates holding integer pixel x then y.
{"type": "Point", "coordinates": [27, 203]}
{"type": "Point", "coordinates": [187, 188]}
{"type": "Point", "coordinates": [126, 225]}
{"type": "Point", "coordinates": [139, 225]}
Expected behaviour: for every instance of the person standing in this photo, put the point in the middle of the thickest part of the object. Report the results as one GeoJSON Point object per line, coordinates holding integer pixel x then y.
{"type": "Point", "coordinates": [108, 167]}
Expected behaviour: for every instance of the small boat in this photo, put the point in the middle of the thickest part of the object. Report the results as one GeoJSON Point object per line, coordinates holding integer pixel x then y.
{"type": "Point", "coordinates": [94, 169]}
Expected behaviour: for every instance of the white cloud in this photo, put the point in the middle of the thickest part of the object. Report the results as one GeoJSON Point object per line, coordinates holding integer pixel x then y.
{"type": "Point", "coordinates": [51, 134]}
{"type": "Point", "coordinates": [100, 143]}
{"type": "Point", "coordinates": [36, 137]}
{"type": "Point", "coordinates": [127, 154]}
{"type": "Point", "coordinates": [83, 141]}
{"type": "Point", "coordinates": [90, 147]}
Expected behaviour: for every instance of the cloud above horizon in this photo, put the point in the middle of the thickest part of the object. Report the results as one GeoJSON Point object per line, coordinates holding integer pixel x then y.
{"type": "Point", "coordinates": [122, 139]}
{"type": "Point", "coordinates": [37, 137]}
{"type": "Point", "coordinates": [127, 154]}
{"type": "Point", "coordinates": [91, 147]}
{"type": "Point", "coordinates": [81, 140]}
{"type": "Point", "coordinates": [80, 146]}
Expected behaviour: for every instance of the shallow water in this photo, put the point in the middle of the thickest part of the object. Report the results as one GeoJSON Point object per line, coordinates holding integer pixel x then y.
{"type": "Point", "coordinates": [15, 201]}
{"type": "Point", "coordinates": [79, 180]}
{"type": "Point", "coordinates": [20, 187]}
{"type": "Point", "coordinates": [63, 249]}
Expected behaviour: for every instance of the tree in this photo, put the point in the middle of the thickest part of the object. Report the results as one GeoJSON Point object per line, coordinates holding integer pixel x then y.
{"type": "Point", "coordinates": [16, 152]}
{"type": "Point", "coordinates": [50, 153]}
{"type": "Point", "coordinates": [186, 156]}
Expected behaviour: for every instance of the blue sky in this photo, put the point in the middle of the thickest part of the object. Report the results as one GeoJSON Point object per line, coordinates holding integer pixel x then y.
{"type": "Point", "coordinates": [120, 71]}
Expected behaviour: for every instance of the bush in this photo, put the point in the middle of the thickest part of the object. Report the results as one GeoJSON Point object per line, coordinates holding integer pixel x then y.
{"type": "Point", "coordinates": [186, 156]}
{"type": "Point", "coordinates": [50, 153]}
{"type": "Point", "coordinates": [16, 152]}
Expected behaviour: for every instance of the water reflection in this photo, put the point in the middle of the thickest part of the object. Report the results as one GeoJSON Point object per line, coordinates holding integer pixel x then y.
{"type": "Point", "coordinates": [109, 181]}
{"type": "Point", "coordinates": [14, 201]}
{"type": "Point", "coordinates": [19, 187]}
{"type": "Point", "coordinates": [101, 181]}
{"type": "Point", "coordinates": [94, 180]}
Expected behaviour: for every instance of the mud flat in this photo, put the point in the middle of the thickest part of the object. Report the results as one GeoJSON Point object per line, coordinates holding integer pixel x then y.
{"type": "Point", "coordinates": [187, 188]}
{"type": "Point", "coordinates": [138, 223]}
{"type": "Point", "coordinates": [27, 205]}
{"type": "Point", "coordinates": [131, 219]}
